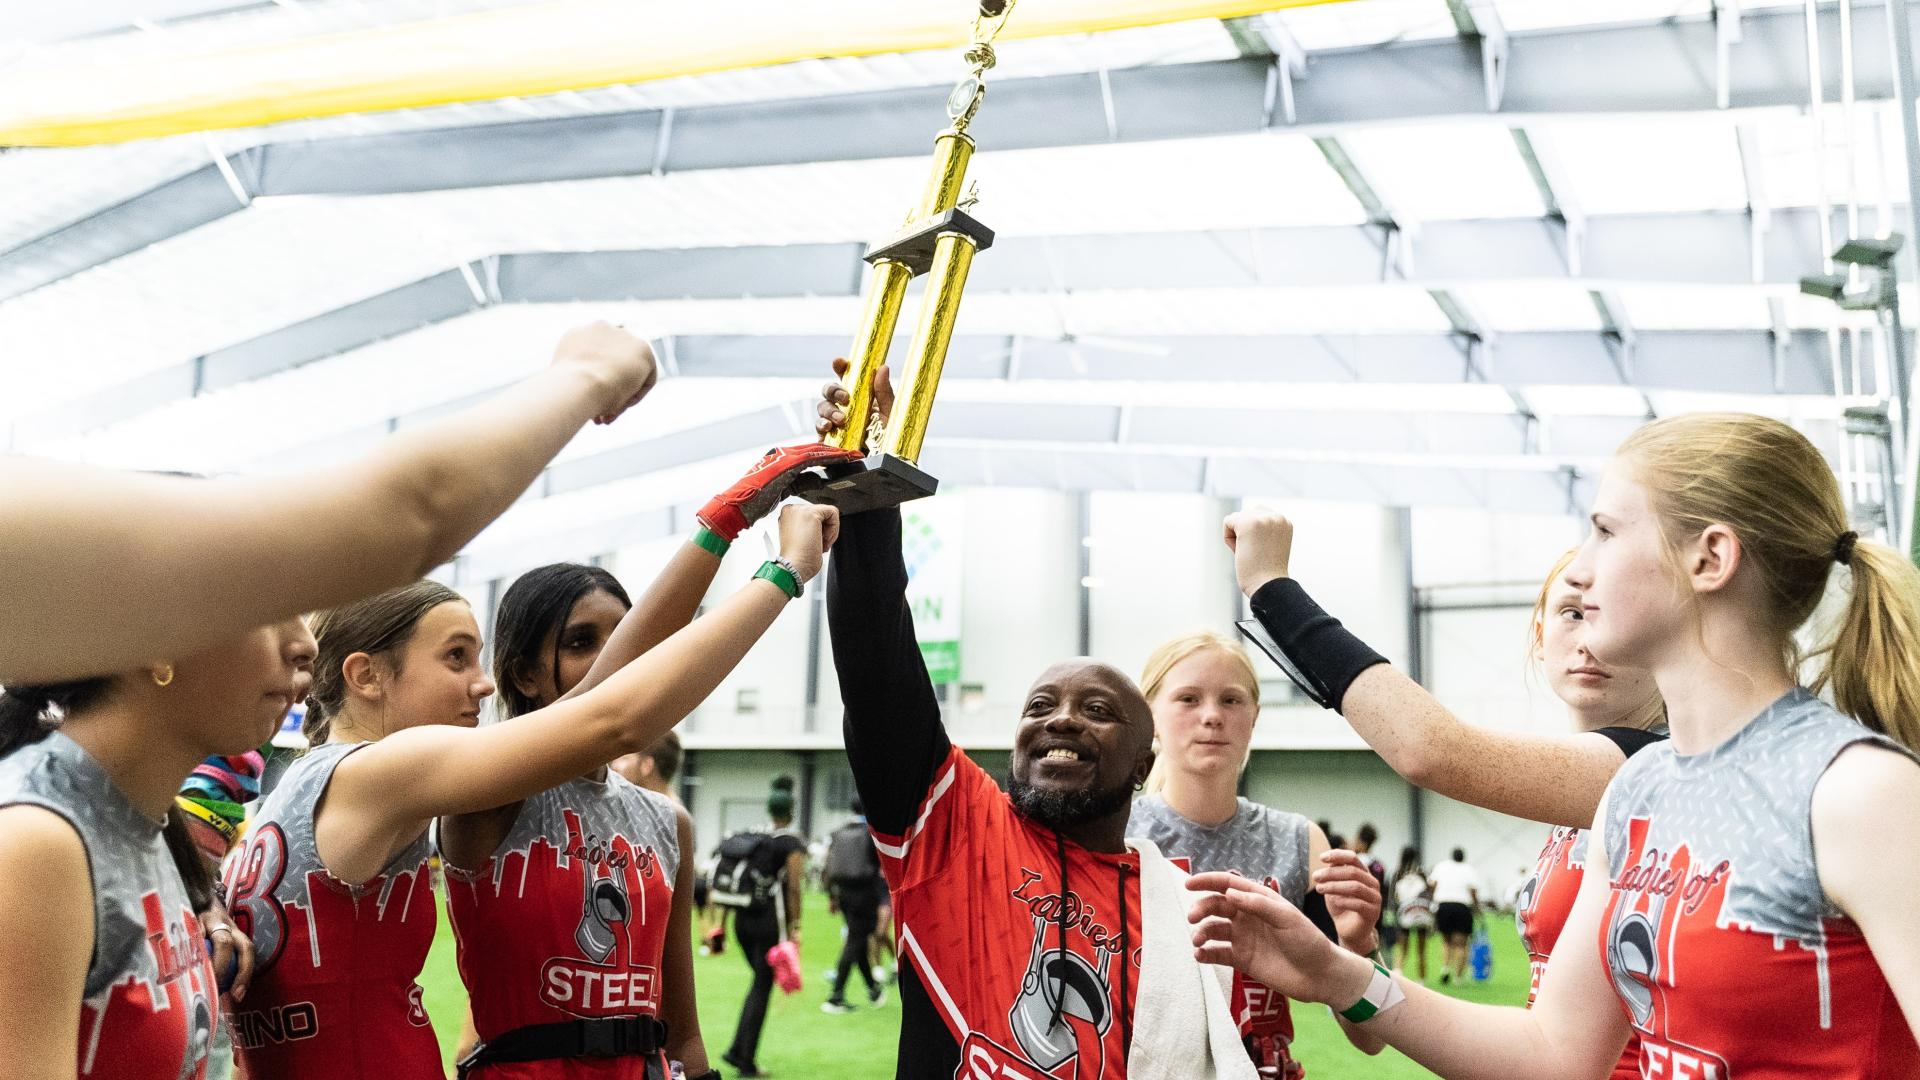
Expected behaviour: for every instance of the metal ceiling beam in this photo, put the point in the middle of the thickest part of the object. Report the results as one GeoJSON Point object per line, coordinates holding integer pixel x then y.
{"type": "Point", "coordinates": [1566, 72]}
{"type": "Point", "coordinates": [1469, 334]}
{"type": "Point", "coordinates": [1621, 341]}
{"type": "Point", "coordinates": [1703, 248]}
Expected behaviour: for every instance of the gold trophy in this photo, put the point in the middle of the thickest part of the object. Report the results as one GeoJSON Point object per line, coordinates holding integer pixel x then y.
{"type": "Point", "coordinates": [939, 239]}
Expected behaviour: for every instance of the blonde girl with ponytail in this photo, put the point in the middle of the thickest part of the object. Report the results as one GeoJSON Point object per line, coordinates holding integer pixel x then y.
{"type": "Point", "coordinates": [1757, 917]}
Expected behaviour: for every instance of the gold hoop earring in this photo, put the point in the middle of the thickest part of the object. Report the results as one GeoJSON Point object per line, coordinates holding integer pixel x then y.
{"type": "Point", "coordinates": [164, 680]}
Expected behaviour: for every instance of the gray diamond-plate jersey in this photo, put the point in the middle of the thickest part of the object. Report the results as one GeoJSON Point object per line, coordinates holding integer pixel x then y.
{"type": "Point", "coordinates": [148, 1008]}
{"type": "Point", "coordinates": [334, 964]}
{"type": "Point", "coordinates": [1258, 842]}
{"type": "Point", "coordinates": [1731, 961]}
{"type": "Point", "coordinates": [567, 919]}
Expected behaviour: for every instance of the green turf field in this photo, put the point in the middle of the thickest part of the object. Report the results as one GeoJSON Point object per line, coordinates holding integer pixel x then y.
{"type": "Point", "coordinates": [803, 1042]}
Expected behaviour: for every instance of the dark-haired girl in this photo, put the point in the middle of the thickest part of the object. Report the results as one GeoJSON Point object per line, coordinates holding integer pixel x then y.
{"type": "Point", "coordinates": [332, 884]}
{"type": "Point", "coordinates": [104, 972]}
{"type": "Point", "coordinates": [572, 906]}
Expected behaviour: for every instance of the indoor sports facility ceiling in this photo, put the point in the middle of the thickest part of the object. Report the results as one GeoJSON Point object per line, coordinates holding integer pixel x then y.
{"type": "Point", "coordinates": [1414, 252]}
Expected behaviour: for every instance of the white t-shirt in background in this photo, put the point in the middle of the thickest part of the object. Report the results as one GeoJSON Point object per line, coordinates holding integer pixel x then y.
{"type": "Point", "coordinates": [1454, 882]}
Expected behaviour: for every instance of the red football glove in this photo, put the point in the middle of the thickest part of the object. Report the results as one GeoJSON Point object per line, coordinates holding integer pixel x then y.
{"type": "Point", "coordinates": [729, 513]}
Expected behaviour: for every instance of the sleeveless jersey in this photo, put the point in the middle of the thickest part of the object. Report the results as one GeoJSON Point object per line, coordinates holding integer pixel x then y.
{"type": "Point", "coordinates": [1730, 960]}
{"type": "Point", "coordinates": [978, 895]}
{"type": "Point", "coordinates": [333, 989]}
{"type": "Point", "coordinates": [1261, 843]}
{"type": "Point", "coordinates": [150, 1002]}
{"type": "Point", "coordinates": [568, 919]}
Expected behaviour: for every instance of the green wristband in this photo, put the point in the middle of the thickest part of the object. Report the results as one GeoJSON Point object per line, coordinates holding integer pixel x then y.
{"type": "Point", "coordinates": [1382, 993]}
{"type": "Point", "coordinates": [709, 540]}
{"type": "Point", "coordinates": [781, 576]}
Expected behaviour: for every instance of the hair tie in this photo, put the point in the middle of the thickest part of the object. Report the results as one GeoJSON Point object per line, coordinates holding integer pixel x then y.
{"type": "Point", "coordinates": [1843, 548]}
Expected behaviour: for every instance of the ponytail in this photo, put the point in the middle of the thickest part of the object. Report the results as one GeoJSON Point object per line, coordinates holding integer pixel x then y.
{"type": "Point", "coordinates": [1873, 662]}
{"type": "Point", "coordinates": [28, 712]}
{"type": "Point", "coordinates": [1766, 482]}
{"type": "Point", "coordinates": [316, 724]}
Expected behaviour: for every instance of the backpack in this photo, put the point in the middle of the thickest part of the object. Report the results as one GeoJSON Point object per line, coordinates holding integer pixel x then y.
{"type": "Point", "coordinates": [851, 857]}
{"type": "Point", "coordinates": [748, 873]}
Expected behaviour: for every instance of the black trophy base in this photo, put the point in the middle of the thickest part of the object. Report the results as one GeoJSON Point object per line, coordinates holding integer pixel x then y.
{"type": "Point", "coordinates": [913, 247]}
{"type": "Point", "coordinates": [880, 481]}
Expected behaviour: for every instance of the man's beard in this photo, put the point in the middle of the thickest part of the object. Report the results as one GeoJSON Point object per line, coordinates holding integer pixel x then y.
{"type": "Point", "coordinates": [1059, 809]}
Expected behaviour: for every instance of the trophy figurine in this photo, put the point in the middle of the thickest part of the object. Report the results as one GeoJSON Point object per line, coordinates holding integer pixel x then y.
{"type": "Point", "coordinates": [940, 239]}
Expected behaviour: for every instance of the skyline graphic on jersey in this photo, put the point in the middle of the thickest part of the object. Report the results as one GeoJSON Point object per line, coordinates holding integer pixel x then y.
{"type": "Point", "coordinates": [608, 976]}
{"type": "Point", "coordinates": [254, 887]}
{"type": "Point", "coordinates": [183, 977]}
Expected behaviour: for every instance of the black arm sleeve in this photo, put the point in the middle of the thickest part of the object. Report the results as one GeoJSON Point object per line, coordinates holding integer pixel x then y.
{"type": "Point", "coordinates": [894, 736]}
{"type": "Point", "coordinates": [1321, 656]}
{"type": "Point", "coordinates": [1630, 740]}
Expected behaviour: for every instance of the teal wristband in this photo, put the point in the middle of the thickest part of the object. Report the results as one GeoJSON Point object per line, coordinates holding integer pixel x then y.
{"type": "Point", "coordinates": [708, 540]}
{"type": "Point", "coordinates": [781, 576]}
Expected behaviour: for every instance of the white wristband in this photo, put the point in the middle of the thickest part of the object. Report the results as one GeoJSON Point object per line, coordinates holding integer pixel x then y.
{"type": "Point", "coordinates": [1383, 993]}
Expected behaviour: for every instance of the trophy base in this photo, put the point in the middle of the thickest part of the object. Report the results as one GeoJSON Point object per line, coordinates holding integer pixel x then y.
{"type": "Point", "coordinates": [913, 248]}
{"type": "Point", "coordinates": [880, 481]}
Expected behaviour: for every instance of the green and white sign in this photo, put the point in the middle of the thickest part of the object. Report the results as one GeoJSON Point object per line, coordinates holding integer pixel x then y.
{"type": "Point", "coordinates": [930, 542]}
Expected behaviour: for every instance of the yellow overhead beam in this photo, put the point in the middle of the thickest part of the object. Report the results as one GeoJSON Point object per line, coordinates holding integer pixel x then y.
{"type": "Point", "coordinates": [515, 52]}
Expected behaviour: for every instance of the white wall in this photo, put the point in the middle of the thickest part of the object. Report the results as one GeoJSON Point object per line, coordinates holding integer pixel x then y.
{"type": "Point", "coordinates": [1021, 608]}
{"type": "Point", "coordinates": [1158, 570]}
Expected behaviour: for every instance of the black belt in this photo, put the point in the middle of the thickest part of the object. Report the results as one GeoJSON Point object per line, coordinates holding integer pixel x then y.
{"type": "Point", "coordinates": [624, 1036]}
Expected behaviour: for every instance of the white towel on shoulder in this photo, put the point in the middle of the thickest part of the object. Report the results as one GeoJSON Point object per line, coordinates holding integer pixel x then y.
{"type": "Point", "coordinates": [1183, 1025]}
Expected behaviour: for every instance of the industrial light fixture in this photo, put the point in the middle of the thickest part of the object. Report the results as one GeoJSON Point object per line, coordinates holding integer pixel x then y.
{"type": "Point", "coordinates": [1825, 286]}
{"type": "Point", "coordinates": [1870, 251]}
{"type": "Point", "coordinates": [1879, 293]}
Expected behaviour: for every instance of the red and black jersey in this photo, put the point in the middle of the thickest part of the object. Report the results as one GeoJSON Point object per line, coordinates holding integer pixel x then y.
{"type": "Point", "coordinates": [1728, 957]}
{"type": "Point", "coordinates": [1547, 898]}
{"type": "Point", "coordinates": [150, 1002]}
{"type": "Point", "coordinates": [567, 920]}
{"type": "Point", "coordinates": [1016, 943]}
{"type": "Point", "coordinates": [333, 991]}
{"type": "Point", "coordinates": [1015, 935]}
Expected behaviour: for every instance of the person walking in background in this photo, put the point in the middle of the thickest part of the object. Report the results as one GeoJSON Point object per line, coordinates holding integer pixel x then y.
{"type": "Point", "coordinates": [1413, 909]}
{"type": "Point", "coordinates": [759, 878]}
{"type": "Point", "coordinates": [853, 890]}
{"type": "Point", "coordinates": [1456, 898]}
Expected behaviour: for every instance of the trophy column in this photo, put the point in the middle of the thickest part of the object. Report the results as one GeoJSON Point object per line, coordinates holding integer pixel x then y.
{"type": "Point", "coordinates": [940, 241]}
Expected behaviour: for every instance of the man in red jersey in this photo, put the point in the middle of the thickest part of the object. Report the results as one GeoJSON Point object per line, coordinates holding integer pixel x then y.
{"type": "Point", "coordinates": [1019, 912]}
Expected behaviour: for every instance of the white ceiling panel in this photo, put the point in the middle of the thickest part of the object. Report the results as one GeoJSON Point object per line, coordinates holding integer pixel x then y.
{"type": "Point", "coordinates": [1446, 171]}
{"type": "Point", "coordinates": [1514, 306]}
{"type": "Point", "coordinates": [1698, 307]}
{"type": "Point", "coordinates": [1647, 164]}
{"type": "Point", "coordinates": [1355, 25]}
{"type": "Point", "coordinates": [1804, 162]}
